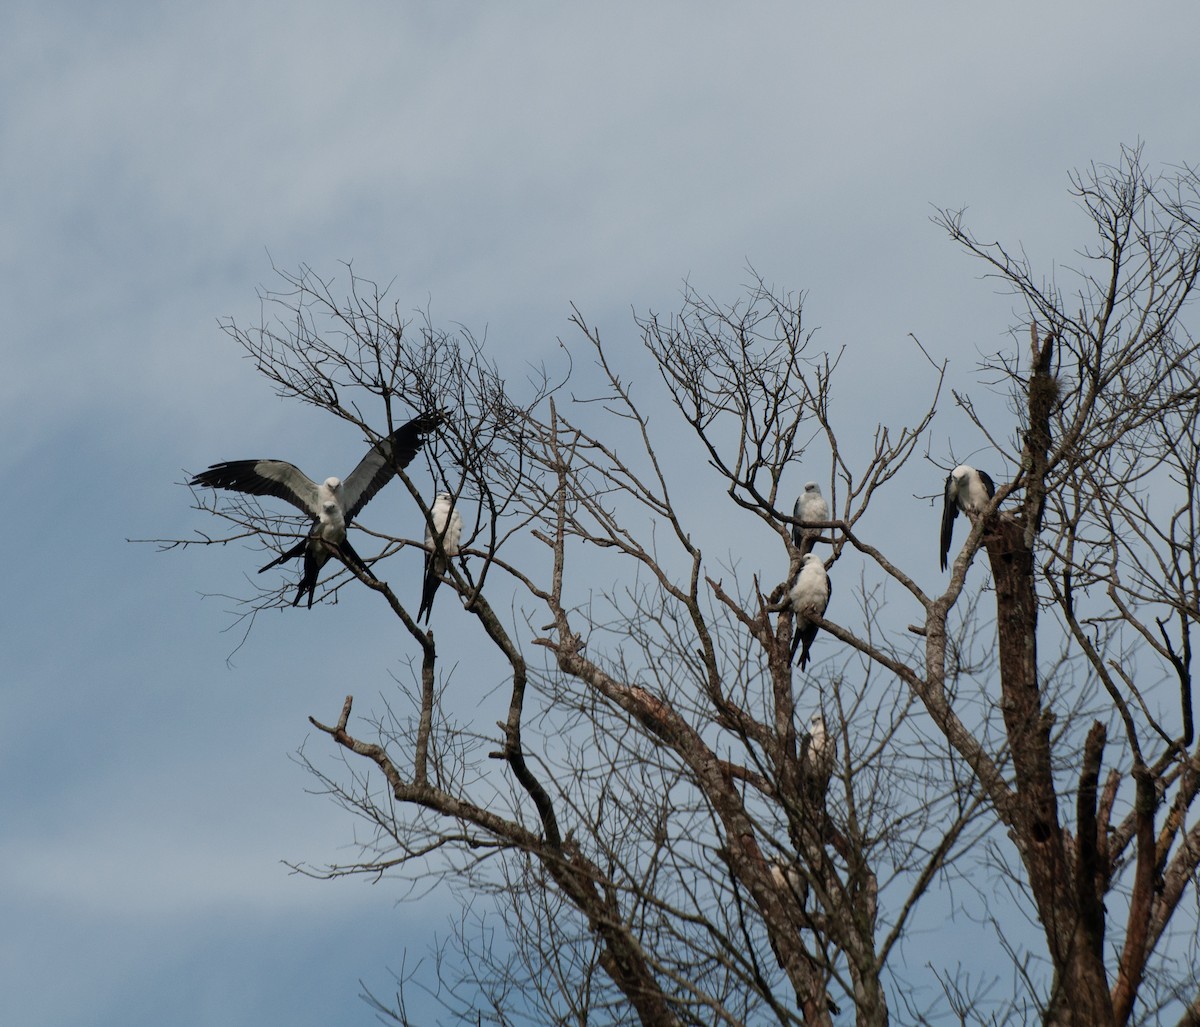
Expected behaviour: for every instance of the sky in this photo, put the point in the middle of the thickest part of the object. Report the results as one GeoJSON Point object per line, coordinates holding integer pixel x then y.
{"type": "Point", "coordinates": [496, 164]}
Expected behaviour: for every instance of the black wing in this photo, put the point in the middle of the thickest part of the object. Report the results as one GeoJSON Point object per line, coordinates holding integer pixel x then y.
{"type": "Point", "coordinates": [949, 512]}
{"type": "Point", "coordinates": [387, 456]}
{"type": "Point", "coordinates": [264, 478]}
{"type": "Point", "coordinates": [989, 486]}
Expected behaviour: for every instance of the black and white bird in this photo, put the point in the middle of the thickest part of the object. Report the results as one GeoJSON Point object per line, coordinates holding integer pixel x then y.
{"type": "Point", "coordinates": [447, 526]}
{"type": "Point", "coordinates": [968, 490]}
{"type": "Point", "coordinates": [809, 596]}
{"type": "Point", "coordinates": [333, 504]}
{"type": "Point", "coordinates": [789, 877]}
{"type": "Point", "coordinates": [810, 508]}
{"type": "Point", "coordinates": [818, 750]}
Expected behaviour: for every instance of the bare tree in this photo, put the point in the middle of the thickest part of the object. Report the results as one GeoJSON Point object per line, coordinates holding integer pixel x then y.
{"type": "Point", "coordinates": [661, 836]}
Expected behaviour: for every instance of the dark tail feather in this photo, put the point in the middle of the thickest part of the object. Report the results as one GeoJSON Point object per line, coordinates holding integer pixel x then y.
{"type": "Point", "coordinates": [805, 539]}
{"type": "Point", "coordinates": [352, 559]}
{"type": "Point", "coordinates": [291, 554]}
{"type": "Point", "coordinates": [429, 588]}
{"type": "Point", "coordinates": [805, 635]}
{"type": "Point", "coordinates": [314, 560]}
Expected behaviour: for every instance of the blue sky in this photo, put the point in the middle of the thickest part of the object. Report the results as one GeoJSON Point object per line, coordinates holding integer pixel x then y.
{"type": "Point", "coordinates": [496, 164]}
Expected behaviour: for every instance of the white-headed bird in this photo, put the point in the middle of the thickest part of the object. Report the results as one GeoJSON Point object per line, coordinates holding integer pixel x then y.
{"type": "Point", "coordinates": [810, 508]}
{"type": "Point", "coordinates": [818, 751]}
{"type": "Point", "coordinates": [809, 597]}
{"type": "Point", "coordinates": [333, 504]}
{"type": "Point", "coordinates": [447, 527]}
{"type": "Point", "coordinates": [968, 490]}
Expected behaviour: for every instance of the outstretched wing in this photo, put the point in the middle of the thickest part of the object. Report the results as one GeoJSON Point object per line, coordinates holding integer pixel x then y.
{"type": "Point", "coordinates": [264, 478]}
{"type": "Point", "coordinates": [949, 512]}
{"type": "Point", "coordinates": [378, 467]}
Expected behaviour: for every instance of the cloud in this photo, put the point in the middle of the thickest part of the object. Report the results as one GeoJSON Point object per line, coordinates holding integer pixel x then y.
{"type": "Point", "coordinates": [495, 163]}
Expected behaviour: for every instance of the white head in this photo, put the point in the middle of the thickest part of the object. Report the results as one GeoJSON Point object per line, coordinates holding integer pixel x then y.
{"type": "Point", "coordinates": [811, 488]}
{"type": "Point", "coordinates": [333, 484]}
{"type": "Point", "coordinates": [816, 729]}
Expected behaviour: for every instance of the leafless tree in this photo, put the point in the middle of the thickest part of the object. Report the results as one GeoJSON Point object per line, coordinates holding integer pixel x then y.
{"type": "Point", "coordinates": [653, 830]}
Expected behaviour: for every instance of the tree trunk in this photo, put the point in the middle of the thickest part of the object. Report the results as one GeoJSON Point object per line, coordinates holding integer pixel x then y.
{"type": "Point", "coordinates": [1080, 994]}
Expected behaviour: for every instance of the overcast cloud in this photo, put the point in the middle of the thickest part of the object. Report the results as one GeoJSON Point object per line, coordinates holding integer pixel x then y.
{"type": "Point", "coordinates": [496, 164]}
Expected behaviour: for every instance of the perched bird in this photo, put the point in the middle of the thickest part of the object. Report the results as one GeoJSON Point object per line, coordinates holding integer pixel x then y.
{"type": "Point", "coordinates": [333, 504]}
{"type": "Point", "coordinates": [810, 508]}
{"type": "Point", "coordinates": [789, 877]}
{"type": "Point", "coordinates": [968, 490]}
{"type": "Point", "coordinates": [809, 596]}
{"type": "Point", "coordinates": [447, 526]}
{"type": "Point", "coordinates": [817, 753]}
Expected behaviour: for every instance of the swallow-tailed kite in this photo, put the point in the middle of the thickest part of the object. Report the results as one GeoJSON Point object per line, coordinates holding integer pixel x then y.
{"type": "Point", "coordinates": [968, 490]}
{"type": "Point", "coordinates": [817, 752]}
{"type": "Point", "coordinates": [809, 596]}
{"type": "Point", "coordinates": [333, 504]}
{"type": "Point", "coordinates": [810, 507]}
{"type": "Point", "coordinates": [789, 877]}
{"type": "Point", "coordinates": [447, 524]}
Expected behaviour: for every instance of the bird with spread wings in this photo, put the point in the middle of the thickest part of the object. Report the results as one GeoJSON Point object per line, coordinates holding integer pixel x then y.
{"type": "Point", "coordinates": [333, 504]}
